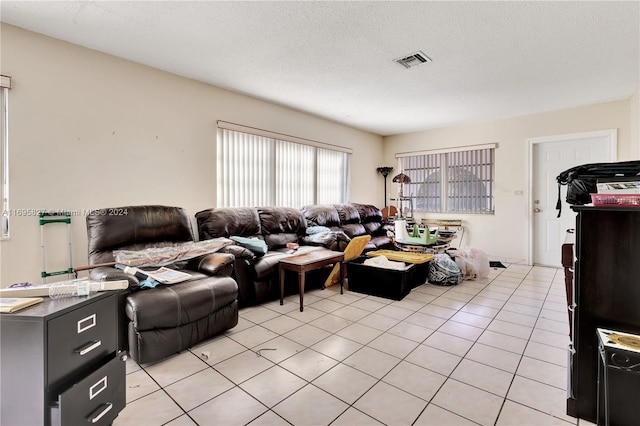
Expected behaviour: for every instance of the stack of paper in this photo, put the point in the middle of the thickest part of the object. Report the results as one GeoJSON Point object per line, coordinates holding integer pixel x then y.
{"type": "Point", "coordinates": [43, 289]}
{"type": "Point", "coordinates": [628, 187]}
{"type": "Point", "coordinates": [10, 305]}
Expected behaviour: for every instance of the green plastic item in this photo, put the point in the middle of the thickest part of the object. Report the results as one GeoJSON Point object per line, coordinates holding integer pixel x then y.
{"type": "Point", "coordinates": [417, 235]}
{"type": "Point", "coordinates": [44, 274]}
{"type": "Point", "coordinates": [46, 218]}
{"type": "Point", "coordinates": [62, 217]}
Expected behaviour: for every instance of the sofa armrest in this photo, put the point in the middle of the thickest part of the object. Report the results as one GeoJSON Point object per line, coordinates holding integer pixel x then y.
{"type": "Point", "coordinates": [332, 240]}
{"type": "Point", "coordinates": [109, 273]}
{"type": "Point", "coordinates": [238, 252]}
{"type": "Point", "coordinates": [215, 264]}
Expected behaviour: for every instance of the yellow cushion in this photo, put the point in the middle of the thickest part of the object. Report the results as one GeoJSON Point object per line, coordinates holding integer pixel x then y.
{"type": "Point", "coordinates": [351, 251]}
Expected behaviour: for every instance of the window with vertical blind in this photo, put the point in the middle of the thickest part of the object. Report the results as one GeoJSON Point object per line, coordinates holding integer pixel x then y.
{"type": "Point", "coordinates": [459, 180]}
{"type": "Point", "coordinates": [261, 168]}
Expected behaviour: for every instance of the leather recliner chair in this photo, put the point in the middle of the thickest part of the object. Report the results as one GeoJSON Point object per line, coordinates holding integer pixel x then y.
{"type": "Point", "coordinates": [162, 321]}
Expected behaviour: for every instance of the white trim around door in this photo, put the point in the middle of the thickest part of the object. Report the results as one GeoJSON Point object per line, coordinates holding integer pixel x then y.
{"type": "Point", "coordinates": [610, 134]}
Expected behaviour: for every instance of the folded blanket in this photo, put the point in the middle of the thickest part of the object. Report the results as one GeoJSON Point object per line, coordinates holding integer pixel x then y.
{"type": "Point", "coordinates": [162, 256]}
{"type": "Point", "coordinates": [384, 262]}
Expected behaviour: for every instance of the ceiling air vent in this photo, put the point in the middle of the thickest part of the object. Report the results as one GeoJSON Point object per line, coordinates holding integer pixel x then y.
{"type": "Point", "coordinates": [413, 60]}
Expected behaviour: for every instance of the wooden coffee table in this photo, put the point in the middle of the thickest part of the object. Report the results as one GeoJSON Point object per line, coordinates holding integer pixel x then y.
{"type": "Point", "coordinates": [303, 263]}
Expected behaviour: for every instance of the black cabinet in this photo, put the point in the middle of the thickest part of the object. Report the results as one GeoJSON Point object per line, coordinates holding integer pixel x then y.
{"type": "Point", "coordinates": [60, 363]}
{"type": "Point", "coordinates": [606, 293]}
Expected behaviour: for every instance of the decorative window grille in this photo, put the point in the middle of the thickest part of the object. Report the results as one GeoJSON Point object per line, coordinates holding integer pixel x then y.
{"type": "Point", "coordinates": [464, 175]}
{"type": "Point", "coordinates": [261, 168]}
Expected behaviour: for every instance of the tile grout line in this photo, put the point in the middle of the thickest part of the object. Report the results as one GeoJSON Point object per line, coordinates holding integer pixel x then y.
{"type": "Point", "coordinates": [378, 380]}
{"type": "Point", "coordinates": [521, 358]}
{"type": "Point", "coordinates": [340, 362]}
{"type": "Point", "coordinates": [443, 295]}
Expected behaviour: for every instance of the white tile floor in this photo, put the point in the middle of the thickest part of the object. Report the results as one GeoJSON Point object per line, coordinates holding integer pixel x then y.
{"type": "Point", "coordinates": [488, 352]}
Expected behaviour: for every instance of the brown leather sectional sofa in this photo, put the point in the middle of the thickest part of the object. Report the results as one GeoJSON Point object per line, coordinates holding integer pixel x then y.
{"type": "Point", "coordinates": [325, 225]}
{"type": "Point", "coordinates": [159, 322]}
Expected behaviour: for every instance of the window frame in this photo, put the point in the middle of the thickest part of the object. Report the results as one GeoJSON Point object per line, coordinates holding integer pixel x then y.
{"type": "Point", "coordinates": [470, 192]}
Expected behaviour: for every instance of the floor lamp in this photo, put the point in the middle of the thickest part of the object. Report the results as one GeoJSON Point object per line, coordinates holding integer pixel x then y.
{"type": "Point", "coordinates": [384, 171]}
{"type": "Point", "coordinates": [402, 179]}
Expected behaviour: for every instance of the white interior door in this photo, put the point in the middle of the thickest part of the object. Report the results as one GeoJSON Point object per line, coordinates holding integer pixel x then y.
{"type": "Point", "coordinates": [551, 156]}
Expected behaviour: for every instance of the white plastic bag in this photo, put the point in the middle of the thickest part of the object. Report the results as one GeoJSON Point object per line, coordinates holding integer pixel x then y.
{"type": "Point", "coordinates": [473, 262]}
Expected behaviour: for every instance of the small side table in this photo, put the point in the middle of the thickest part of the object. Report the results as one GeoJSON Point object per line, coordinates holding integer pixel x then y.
{"type": "Point", "coordinates": [620, 353]}
{"type": "Point", "coordinates": [303, 263]}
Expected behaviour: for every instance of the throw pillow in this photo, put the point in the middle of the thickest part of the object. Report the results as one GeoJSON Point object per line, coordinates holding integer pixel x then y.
{"type": "Point", "coordinates": [256, 245]}
{"type": "Point", "coordinates": [317, 229]}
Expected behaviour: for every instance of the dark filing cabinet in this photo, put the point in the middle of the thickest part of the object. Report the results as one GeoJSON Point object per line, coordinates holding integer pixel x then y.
{"type": "Point", "coordinates": [60, 363]}
{"type": "Point", "coordinates": [605, 294]}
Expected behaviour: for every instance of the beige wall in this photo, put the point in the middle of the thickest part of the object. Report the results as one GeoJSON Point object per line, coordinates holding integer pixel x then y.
{"type": "Point", "coordinates": [505, 234]}
{"type": "Point", "coordinates": [88, 130]}
{"type": "Point", "coordinates": [635, 124]}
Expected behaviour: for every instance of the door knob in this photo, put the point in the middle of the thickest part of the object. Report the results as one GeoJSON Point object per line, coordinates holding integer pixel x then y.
{"type": "Point", "coordinates": [537, 210]}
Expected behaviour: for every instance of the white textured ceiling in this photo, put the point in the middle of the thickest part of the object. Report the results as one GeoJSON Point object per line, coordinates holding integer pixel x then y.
{"type": "Point", "coordinates": [335, 59]}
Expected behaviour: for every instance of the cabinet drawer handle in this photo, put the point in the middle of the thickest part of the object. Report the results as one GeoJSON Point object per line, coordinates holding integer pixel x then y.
{"type": "Point", "coordinates": [89, 347]}
{"type": "Point", "coordinates": [93, 392]}
{"type": "Point", "coordinates": [86, 323]}
{"type": "Point", "coordinates": [570, 353]}
{"type": "Point", "coordinates": [95, 418]}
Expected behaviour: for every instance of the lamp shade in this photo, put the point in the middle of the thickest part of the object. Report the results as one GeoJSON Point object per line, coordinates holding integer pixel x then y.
{"type": "Point", "coordinates": [401, 178]}
{"type": "Point", "coordinates": [384, 171]}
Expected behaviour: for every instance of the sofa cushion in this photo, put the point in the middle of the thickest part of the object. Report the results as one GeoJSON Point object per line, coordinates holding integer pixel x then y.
{"type": "Point", "coordinates": [375, 228]}
{"type": "Point", "coordinates": [321, 215]}
{"type": "Point", "coordinates": [354, 230]}
{"type": "Point", "coordinates": [227, 222]}
{"type": "Point", "coordinates": [368, 213]}
{"type": "Point", "coordinates": [281, 225]}
{"type": "Point", "coordinates": [268, 264]}
{"type": "Point", "coordinates": [380, 242]}
{"type": "Point", "coordinates": [348, 213]}
{"type": "Point", "coordinates": [138, 227]}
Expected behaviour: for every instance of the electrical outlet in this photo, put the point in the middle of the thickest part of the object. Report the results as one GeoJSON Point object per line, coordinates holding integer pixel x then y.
{"type": "Point", "coordinates": [519, 192]}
